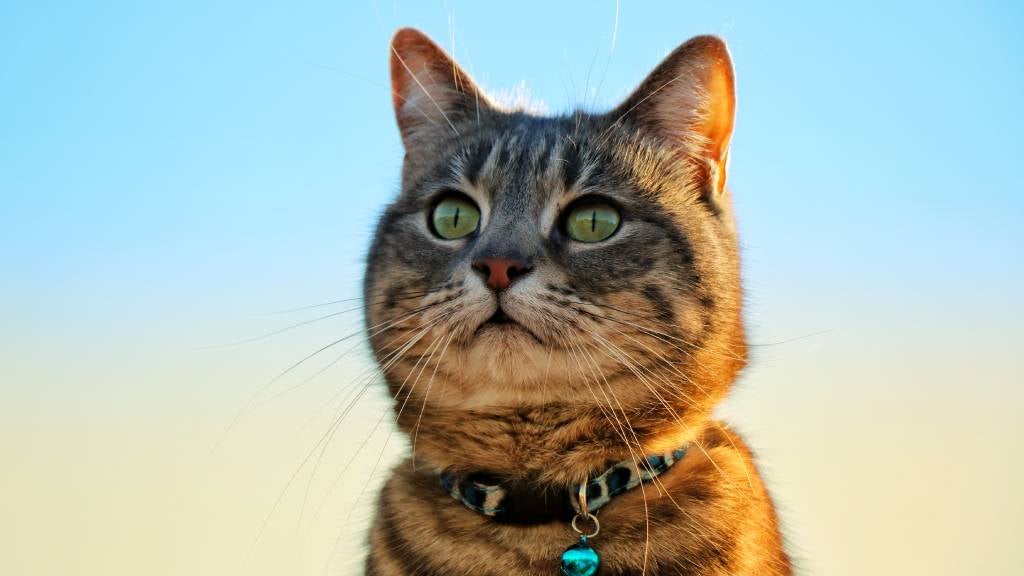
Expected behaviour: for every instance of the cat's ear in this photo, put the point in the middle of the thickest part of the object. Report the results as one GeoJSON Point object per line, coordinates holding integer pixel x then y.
{"type": "Point", "coordinates": [428, 89]}
{"type": "Point", "coordinates": [689, 100]}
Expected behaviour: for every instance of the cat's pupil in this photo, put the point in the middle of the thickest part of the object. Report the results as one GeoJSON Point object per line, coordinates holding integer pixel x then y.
{"type": "Point", "coordinates": [593, 220]}
{"type": "Point", "coordinates": [456, 222]}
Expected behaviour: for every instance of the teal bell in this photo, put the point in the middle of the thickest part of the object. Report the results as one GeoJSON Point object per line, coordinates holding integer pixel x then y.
{"type": "Point", "coordinates": [580, 559]}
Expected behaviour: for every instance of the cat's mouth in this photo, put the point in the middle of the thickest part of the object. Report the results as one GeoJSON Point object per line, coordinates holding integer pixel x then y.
{"type": "Point", "coordinates": [500, 320]}
{"type": "Point", "coordinates": [500, 317]}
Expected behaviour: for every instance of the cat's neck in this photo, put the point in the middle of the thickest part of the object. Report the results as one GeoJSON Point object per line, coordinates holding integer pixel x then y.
{"type": "Point", "coordinates": [553, 444]}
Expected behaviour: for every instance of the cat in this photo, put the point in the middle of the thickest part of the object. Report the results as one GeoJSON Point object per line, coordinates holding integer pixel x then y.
{"type": "Point", "coordinates": [555, 305]}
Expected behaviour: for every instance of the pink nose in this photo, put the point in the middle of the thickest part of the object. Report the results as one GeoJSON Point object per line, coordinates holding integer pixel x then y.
{"type": "Point", "coordinates": [500, 272]}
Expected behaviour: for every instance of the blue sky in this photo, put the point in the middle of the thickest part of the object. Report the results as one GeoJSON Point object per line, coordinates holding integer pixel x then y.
{"type": "Point", "coordinates": [867, 136]}
{"type": "Point", "coordinates": [170, 169]}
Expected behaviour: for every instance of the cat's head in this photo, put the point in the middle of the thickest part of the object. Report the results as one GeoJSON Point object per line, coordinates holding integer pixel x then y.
{"type": "Point", "coordinates": [582, 260]}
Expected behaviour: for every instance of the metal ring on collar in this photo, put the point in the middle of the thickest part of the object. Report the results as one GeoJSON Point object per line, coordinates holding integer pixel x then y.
{"type": "Point", "coordinates": [590, 517]}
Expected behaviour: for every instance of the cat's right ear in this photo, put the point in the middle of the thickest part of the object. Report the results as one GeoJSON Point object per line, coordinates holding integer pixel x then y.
{"type": "Point", "coordinates": [429, 91]}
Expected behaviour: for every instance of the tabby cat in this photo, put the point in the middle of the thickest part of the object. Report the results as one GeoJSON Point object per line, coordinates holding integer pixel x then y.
{"type": "Point", "coordinates": [555, 304]}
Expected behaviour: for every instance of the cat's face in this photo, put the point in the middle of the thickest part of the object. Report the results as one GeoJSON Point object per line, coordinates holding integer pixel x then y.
{"type": "Point", "coordinates": [583, 259]}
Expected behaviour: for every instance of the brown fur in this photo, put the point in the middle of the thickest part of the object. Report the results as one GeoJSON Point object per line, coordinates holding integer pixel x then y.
{"type": "Point", "coordinates": [708, 515]}
{"type": "Point", "coordinates": [622, 349]}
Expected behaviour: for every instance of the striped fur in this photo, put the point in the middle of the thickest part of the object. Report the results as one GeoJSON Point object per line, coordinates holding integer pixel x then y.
{"type": "Point", "coordinates": [718, 521]}
{"type": "Point", "coordinates": [621, 348]}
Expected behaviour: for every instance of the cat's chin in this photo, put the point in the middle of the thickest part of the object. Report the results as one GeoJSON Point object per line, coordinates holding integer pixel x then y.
{"type": "Point", "coordinates": [505, 353]}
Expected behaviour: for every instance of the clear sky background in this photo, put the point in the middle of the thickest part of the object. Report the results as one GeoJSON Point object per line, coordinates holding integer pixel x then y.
{"type": "Point", "coordinates": [172, 171]}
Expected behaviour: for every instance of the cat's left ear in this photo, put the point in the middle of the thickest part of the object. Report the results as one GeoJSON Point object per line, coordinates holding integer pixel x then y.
{"type": "Point", "coordinates": [429, 90]}
{"type": "Point", "coordinates": [689, 101]}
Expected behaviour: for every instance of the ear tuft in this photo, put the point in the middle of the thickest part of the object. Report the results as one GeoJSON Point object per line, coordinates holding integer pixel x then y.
{"type": "Point", "coordinates": [689, 101]}
{"type": "Point", "coordinates": [429, 91]}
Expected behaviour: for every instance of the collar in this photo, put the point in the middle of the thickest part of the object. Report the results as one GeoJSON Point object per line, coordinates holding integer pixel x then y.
{"type": "Point", "coordinates": [521, 502]}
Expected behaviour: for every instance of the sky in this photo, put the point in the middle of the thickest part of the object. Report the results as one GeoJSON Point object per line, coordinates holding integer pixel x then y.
{"type": "Point", "coordinates": [174, 174]}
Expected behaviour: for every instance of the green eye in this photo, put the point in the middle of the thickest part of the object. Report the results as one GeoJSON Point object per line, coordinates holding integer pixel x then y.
{"type": "Point", "coordinates": [455, 217]}
{"type": "Point", "coordinates": [592, 222]}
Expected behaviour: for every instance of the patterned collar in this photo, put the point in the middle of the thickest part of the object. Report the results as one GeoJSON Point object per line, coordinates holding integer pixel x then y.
{"type": "Point", "coordinates": [523, 503]}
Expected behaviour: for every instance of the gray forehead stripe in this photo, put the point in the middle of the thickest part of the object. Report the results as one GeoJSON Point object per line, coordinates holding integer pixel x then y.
{"type": "Point", "coordinates": [516, 157]}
